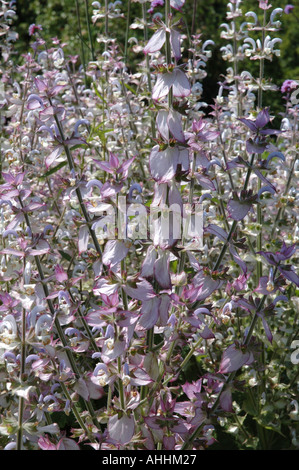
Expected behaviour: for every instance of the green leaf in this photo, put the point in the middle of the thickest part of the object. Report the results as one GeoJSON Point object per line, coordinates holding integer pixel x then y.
{"type": "Point", "coordinates": [130, 88]}
{"type": "Point", "coordinates": [65, 255]}
{"type": "Point", "coordinates": [249, 406]}
{"type": "Point", "coordinates": [270, 427]}
{"type": "Point", "coordinates": [80, 146]}
{"type": "Point", "coordinates": [54, 169]}
{"type": "Point", "coordinates": [99, 94]}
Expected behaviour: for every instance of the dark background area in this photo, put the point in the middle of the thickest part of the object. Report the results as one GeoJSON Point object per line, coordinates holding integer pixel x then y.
{"type": "Point", "coordinates": [58, 19]}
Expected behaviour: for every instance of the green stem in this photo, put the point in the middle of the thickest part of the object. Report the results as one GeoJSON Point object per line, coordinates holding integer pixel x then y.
{"type": "Point", "coordinates": [259, 269]}
{"type": "Point", "coordinates": [60, 331]}
{"type": "Point", "coordinates": [77, 190]}
{"type": "Point", "coordinates": [148, 71]}
{"type": "Point", "coordinates": [106, 20]}
{"type": "Point", "coordinates": [81, 40]}
{"type": "Point", "coordinates": [89, 30]}
{"type": "Point", "coordinates": [22, 373]}
{"type": "Point", "coordinates": [85, 325]}
{"type": "Point", "coordinates": [76, 413]}
{"type": "Point", "coordinates": [235, 223]}
{"type": "Point", "coordinates": [127, 31]}
{"type": "Point", "coordinates": [120, 385]}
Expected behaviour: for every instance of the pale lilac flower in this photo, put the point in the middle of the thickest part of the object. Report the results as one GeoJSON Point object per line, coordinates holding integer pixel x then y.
{"type": "Point", "coordinates": [288, 8]}
{"type": "Point", "coordinates": [121, 429]}
{"type": "Point", "coordinates": [177, 4]}
{"type": "Point", "coordinates": [115, 251]}
{"type": "Point", "coordinates": [157, 41]}
{"type": "Point", "coordinates": [164, 163]}
{"type": "Point", "coordinates": [169, 123]}
{"type": "Point", "coordinates": [155, 4]}
{"type": "Point", "coordinates": [175, 80]}
{"type": "Point", "coordinates": [263, 4]}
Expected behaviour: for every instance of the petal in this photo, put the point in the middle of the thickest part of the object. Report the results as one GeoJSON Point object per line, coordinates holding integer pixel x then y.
{"type": "Point", "coordinates": [206, 333]}
{"type": "Point", "coordinates": [34, 102]}
{"type": "Point", "coordinates": [267, 329]}
{"type": "Point", "coordinates": [237, 259]}
{"type": "Point", "coordinates": [163, 164]}
{"type": "Point", "coordinates": [181, 85]}
{"type": "Point", "coordinates": [113, 160]}
{"type": "Point", "coordinates": [67, 444]}
{"type": "Point", "coordinates": [161, 271]}
{"type": "Point", "coordinates": [162, 86]}
{"type": "Point", "coordinates": [162, 124]}
{"type": "Point", "coordinates": [124, 168]}
{"type": "Point", "coordinates": [253, 147]}
{"type": "Point", "coordinates": [183, 159]}
{"type": "Point", "coordinates": [238, 210]}
{"type": "Point", "coordinates": [164, 309]}
{"type": "Point", "coordinates": [226, 400]}
{"type": "Point", "coordinates": [60, 273]}
{"type": "Point", "coordinates": [40, 84]}
{"type": "Point", "coordinates": [263, 118]}
{"type": "Point", "coordinates": [114, 252]}
{"type": "Point", "coordinates": [143, 291]}
{"type": "Point", "coordinates": [156, 42]}
{"type": "Point", "coordinates": [249, 123]}
{"type": "Point", "coordinates": [83, 238]}
{"type": "Point", "coordinates": [270, 132]}
{"type": "Point", "coordinates": [121, 430]}
{"type": "Point", "coordinates": [208, 287]}
{"type": "Point", "coordinates": [218, 231]}
{"type": "Point", "coordinates": [174, 122]}
{"type": "Point", "coordinates": [290, 275]}
{"type": "Point", "coordinates": [175, 41]}
{"type": "Point", "coordinates": [205, 182]}
{"type": "Point", "coordinates": [147, 269]}
{"type": "Point", "coordinates": [53, 156]}
{"type": "Point", "coordinates": [233, 359]}
{"type": "Point", "coordinates": [177, 4]}
{"type": "Point", "coordinates": [150, 313]}
{"type": "Point", "coordinates": [103, 286]}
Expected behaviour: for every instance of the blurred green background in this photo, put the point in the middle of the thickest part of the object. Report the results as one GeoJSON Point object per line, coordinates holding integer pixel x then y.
{"type": "Point", "coordinates": [59, 19]}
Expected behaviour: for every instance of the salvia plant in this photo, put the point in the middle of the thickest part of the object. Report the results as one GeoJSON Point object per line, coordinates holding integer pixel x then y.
{"type": "Point", "coordinates": [148, 238]}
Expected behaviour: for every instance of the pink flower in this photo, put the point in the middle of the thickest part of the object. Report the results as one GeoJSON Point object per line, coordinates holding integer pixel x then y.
{"type": "Point", "coordinates": [155, 4]}
{"type": "Point", "coordinates": [263, 4]}
{"type": "Point", "coordinates": [60, 274]}
{"type": "Point", "coordinates": [234, 358]}
{"type": "Point", "coordinates": [288, 86]}
{"type": "Point", "coordinates": [65, 443]}
{"type": "Point", "coordinates": [33, 28]}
